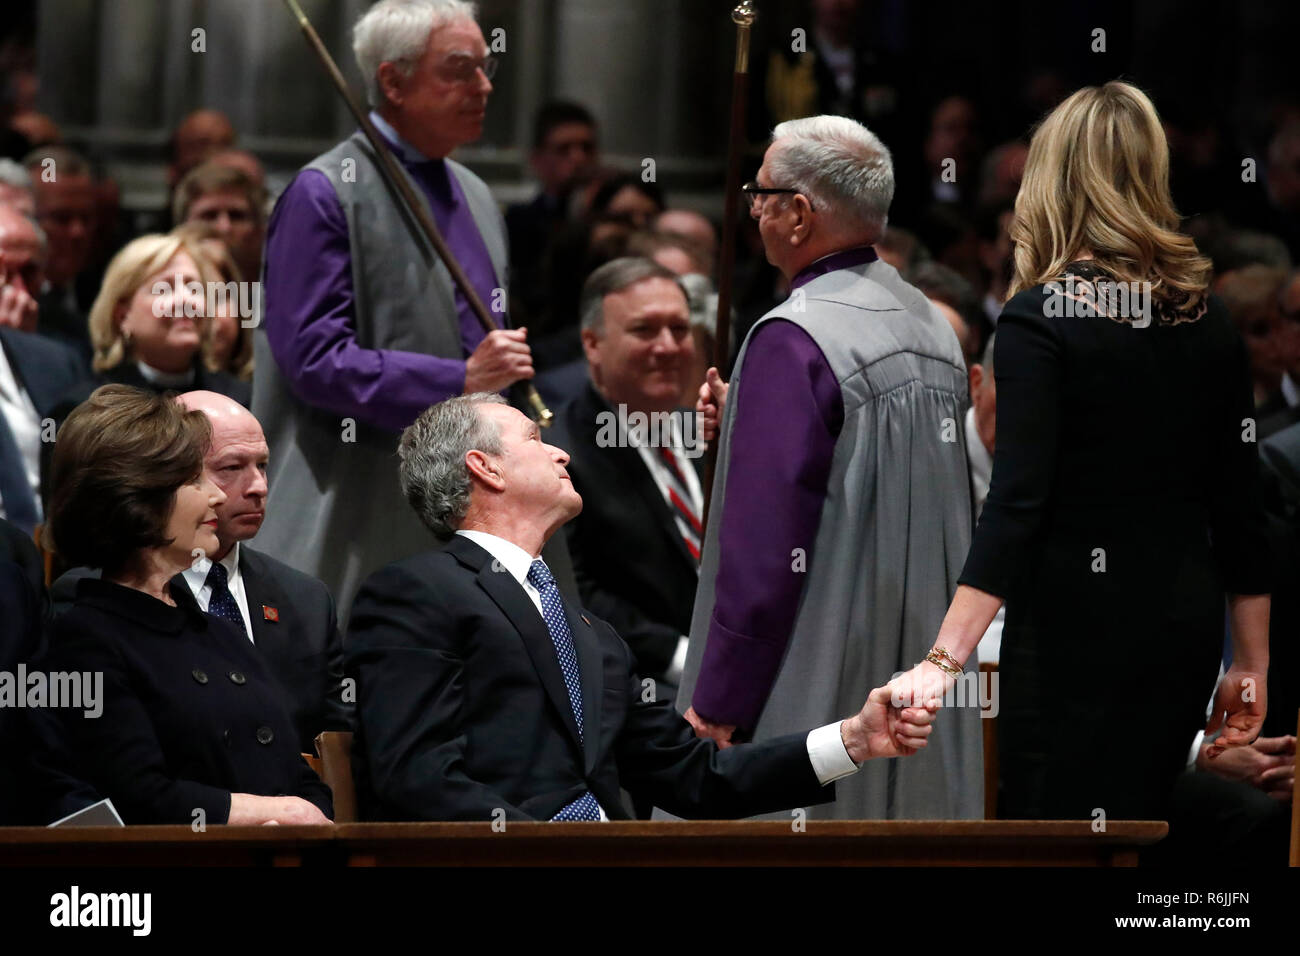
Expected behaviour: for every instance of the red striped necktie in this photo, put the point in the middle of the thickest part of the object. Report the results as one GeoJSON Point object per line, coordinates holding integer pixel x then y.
{"type": "Point", "coordinates": [688, 522]}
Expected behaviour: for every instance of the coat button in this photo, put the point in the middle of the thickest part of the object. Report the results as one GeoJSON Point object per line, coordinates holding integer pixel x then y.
{"type": "Point", "coordinates": [265, 735]}
{"type": "Point", "coordinates": [237, 678]}
{"type": "Point", "coordinates": [199, 676]}
{"type": "Point", "coordinates": [225, 737]}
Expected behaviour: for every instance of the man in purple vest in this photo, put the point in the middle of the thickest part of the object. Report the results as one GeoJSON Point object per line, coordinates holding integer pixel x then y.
{"type": "Point", "coordinates": [364, 328]}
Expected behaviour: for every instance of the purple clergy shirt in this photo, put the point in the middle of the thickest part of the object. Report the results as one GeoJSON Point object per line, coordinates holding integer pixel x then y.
{"type": "Point", "coordinates": [782, 443]}
{"type": "Point", "coordinates": [310, 300]}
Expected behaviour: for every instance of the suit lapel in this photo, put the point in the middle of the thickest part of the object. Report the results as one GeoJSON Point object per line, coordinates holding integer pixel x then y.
{"type": "Point", "coordinates": [260, 591]}
{"type": "Point", "coordinates": [514, 603]}
{"type": "Point", "coordinates": [593, 681]}
{"type": "Point", "coordinates": [627, 461]}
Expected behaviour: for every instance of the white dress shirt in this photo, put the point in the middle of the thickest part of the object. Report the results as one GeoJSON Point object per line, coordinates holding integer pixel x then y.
{"type": "Point", "coordinates": [25, 424]}
{"type": "Point", "coordinates": [196, 576]}
{"type": "Point", "coordinates": [166, 379]}
{"type": "Point", "coordinates": [826, 751]}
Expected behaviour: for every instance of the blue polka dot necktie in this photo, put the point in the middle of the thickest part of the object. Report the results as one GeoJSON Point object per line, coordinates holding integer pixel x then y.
{"type": "Point", "coordinates": [222, 603]}
{"type": "Point", "coordinates": [539, 576]}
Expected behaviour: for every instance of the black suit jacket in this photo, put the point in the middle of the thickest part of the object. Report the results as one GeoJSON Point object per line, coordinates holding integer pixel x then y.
{"type": "Point", "coordinates": [298, 638]}
{"type": "Point", "coordinates": [47, 370]}
{"type": "Point", "coordinates": [463, 712]}
{"type": "Point", "coordinates": [22, 598]}
{"type": "Point", "coordinates": [631, 565]}
{"type": "Point", "coordinates": [190, 713]}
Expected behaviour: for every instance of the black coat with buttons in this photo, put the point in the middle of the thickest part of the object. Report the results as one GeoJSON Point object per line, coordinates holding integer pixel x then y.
{"type": "Point", "coordinates": [190, 713]}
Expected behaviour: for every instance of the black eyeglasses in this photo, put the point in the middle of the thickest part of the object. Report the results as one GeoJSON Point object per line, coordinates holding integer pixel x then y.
{"type": "Point", "coordinates": [753, 190]}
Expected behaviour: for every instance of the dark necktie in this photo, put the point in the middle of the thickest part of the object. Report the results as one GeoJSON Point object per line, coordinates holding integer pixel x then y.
{"type": "Point", "coordinates": [15, 489]}
{"type": "Point", "coordinates": [539, 576]}
{"type": "Point", "coordinates": [223, 603]}
{"type": "Point", "coordinates": [684, 516]}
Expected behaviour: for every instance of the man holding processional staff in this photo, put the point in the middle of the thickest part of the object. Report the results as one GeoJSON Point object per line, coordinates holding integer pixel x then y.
{"type": "Point", "coordinates": [362, 325]}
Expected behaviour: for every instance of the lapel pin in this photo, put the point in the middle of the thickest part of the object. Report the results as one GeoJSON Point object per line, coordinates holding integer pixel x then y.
{"type": "Point", "coordinates": [584, 619]}
{"type": "Point", "coordinates": [270, 614]}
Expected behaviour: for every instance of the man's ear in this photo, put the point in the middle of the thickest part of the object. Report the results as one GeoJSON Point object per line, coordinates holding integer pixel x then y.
{"type": "Point", "coordinates": [803, 222]}
{"type": "Point", "coordinates": [390, 83]}
{"type": "Point", "coordinates": [482, 468]}
{"type": "Point", "coordinates": [976, 378]}
{"type": "Point", "coordinates": [590, 345]}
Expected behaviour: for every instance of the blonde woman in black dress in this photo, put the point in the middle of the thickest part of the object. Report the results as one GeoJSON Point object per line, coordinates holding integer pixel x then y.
{"type": "Point", "coordinates": [1122, 510]}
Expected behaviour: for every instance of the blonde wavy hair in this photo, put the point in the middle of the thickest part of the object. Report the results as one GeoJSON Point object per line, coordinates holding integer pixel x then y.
{"type": "Point", "coordinates": [1097, 181]}
{"type": "Point", "coordinates": [127, 271]}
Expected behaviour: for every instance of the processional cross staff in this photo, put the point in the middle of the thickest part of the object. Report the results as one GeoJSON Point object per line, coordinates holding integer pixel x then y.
{"type": "Point", "coordinates": [743, 16]}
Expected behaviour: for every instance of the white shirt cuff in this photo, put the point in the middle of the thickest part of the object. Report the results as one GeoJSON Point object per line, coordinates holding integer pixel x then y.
{"type": "Point", "coordinates": [830, 759]}
{"type": "Point", "coordinates": [674, 673]}
{"type": "Point", "coordinates": [1196, 750]}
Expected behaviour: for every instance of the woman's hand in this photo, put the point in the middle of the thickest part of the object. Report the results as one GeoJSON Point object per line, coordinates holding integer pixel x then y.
{"type": "Point", "coordinates": [248, 809]}
{"type": "Point", "coordinates": [1240, 704]}
{"type": "Point", "coordinates": [923, 683]}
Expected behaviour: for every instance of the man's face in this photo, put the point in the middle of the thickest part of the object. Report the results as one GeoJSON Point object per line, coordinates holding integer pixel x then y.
{"type": "Point", "coordinates": [19, 198]}
{"type": "Point", "coordinates": [229, 212]}
{"type": "Point", "coordinates": [20, 254]}
{"type": "Point", "coordinates": [65, 208]}
{"type": "Point", "coordinates": [775, 215]}
{"type": "Point", "coordinates": [642, 355]}
{"type": "Point", "coordinates": [444, 100]}
{"type": "Point", "coordinates": [537, 485]}
{"type": "Point", "coordinates": [567, 158]}
{"type": "Point", "coordinates": [236, 463]}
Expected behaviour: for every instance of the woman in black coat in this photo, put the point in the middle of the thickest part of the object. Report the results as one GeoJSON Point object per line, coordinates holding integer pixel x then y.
{"type": "Point", "coordinates": [1123, 505]}
{"type": "Point", "coordinates": [188, 725]}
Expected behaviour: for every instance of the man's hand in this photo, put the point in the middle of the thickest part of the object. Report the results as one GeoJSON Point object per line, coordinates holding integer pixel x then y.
{"type": "Point", "coordinates": [711, 401]}
{"type": "Point", "coordinates": [18, 310]}
{"type": "Point", "coordinates": [882, 730]}
{"type": "Point", "coordinates": [1239, 708]}
{"type": "Point", "coordinates": [720, 733]}
{"type": "Point", "coordinates": [1268, 764]}
{"type": "Point", "coordinates": [500, 360]}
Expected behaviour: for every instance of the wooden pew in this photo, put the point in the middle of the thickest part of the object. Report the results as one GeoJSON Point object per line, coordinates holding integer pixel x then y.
{"type": "Point", "coordinates": [640, 843]}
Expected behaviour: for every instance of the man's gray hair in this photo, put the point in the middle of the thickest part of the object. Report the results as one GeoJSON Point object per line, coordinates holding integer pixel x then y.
{"type": "Point", "coordinates": [840, 165]}
{"type": "Point", "coordinates": [397, 32]}
{"type": "Point", "coordinates": [435, 478]}
{"type": "Point", "coordinates": [615, 276]}
{"type": "Point", "coordinates": [13, 174]}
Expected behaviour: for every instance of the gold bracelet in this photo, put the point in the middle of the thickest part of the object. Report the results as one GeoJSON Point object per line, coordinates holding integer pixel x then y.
{"type": "Point", "coordinates": [943, 652]}
{"type": "Point", "coordinates": [939, 662]}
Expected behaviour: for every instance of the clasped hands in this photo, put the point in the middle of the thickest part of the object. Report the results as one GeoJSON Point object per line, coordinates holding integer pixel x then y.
{"type": "Point", "coordinates": [894, 722]}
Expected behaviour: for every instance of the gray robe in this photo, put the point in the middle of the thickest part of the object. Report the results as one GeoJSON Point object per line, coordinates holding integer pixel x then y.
{"type": "Point", "coordinates": [892, 538]}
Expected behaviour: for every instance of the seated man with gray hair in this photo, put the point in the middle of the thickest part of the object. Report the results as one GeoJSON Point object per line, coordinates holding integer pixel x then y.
{"type": "Point", "coordinates": [841, 509]}
{"type": "Point", "coordinates": [483, 694]}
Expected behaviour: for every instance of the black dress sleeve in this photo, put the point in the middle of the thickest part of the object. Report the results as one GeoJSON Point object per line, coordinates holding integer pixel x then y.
{"type": "Point", "coordinates": [1027, 365]}
{"type": "Point", "coordinates": [1237, 527]}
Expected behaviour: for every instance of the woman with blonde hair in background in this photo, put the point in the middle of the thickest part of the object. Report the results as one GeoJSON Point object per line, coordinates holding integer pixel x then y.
{"type": "Point", "coordinates": [149, 322]}
{"type": "Point", "coordinates": [1122, 505]}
